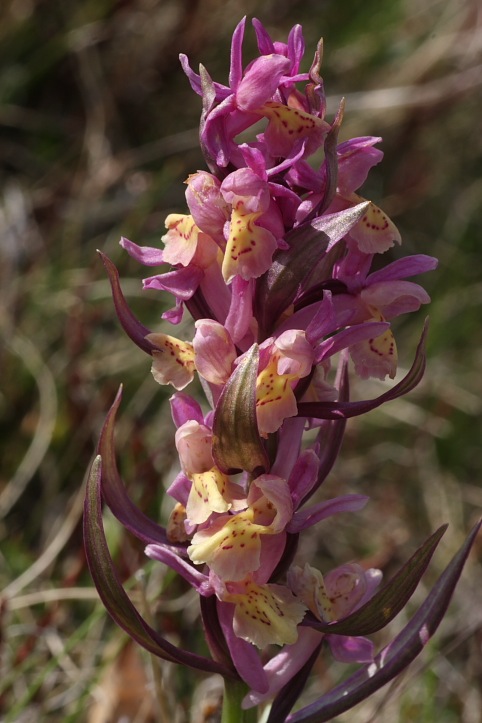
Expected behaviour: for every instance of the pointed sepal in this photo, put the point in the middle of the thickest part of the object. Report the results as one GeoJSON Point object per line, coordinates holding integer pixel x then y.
{"type": "Point", "coordinates": [134, 329]}
{"type": "Point", "coordinates": [113, 489]}
{"type": "Point", "coordinates": [345, 410]}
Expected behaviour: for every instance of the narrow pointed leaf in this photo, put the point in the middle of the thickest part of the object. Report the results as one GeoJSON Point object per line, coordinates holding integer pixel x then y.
{"type": "Point", "coordinates": [291, 270]}
{"type": "Point", "coordinates": [393, 659]}
{"type": "Point", "coordinates": [113, 594]}
{"type": "Point", "coordinates": [345, 410]}
{"type": "Point", "coordinates": [131, 325]}
{"type": "Point", "coordinates": [330, 437]}
{"type": "Point", "coordinates": [291, 548]}
{"type": "Point", "coordinates": [390, 599]}
{"type": "Point", "coordinates": [114, 491]}
{"type": "Point", "coordinates": [237, 444]}
{"type": "Point", "coordinates": [213, 632]}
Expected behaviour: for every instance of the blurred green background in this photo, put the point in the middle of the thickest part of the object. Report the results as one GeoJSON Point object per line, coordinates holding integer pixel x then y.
{"type": "Point", "coordinates": [97, 134]}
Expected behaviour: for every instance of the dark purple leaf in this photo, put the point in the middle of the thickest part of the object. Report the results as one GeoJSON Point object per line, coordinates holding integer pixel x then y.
{"type": "Point", "coordinates": [131, 325]}
{"type": "Point", "coordinates": [213, 632]}
{"type": "Point", "coordinates": [198, 307]}
{"type": "Point", "coordinates": [390, 599]}
{"type": "Point", "coordinates": [398, 654]}
{"type": "Point", "coordinates": [236, 441]}
{"type": "Point", "coordinates": [113, 594]}
{"type": "Point", "coordinates": [291, 548]}
{"type": "Point", "coordinates": [330, 438]}
{"type": "Point", "coordinates": [291, 270]}
{"type": "Point", "coordinates": [344, 410]}
{"type": "Point", "coordinates": [114, 491]}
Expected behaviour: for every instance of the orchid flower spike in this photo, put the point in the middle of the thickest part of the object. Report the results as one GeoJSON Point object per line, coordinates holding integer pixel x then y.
{"type": "Point", "coordinates": [279, 261]}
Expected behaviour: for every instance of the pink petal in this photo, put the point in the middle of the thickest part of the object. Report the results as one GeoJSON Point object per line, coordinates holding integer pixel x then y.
{"type": "Point", "coordinates": [146, 255]}
{"type": "Point", "coordinates": [240, 321]}
{"type": "Point", "coordinates": [184, 408]}
{"type": "Point", "coordinates": [261, 81]}
{"type": "Point", "coordinates": [312, 515]}
{"type": "Point", "coordinates": [395, 297]}
{"type": "Point", "coordinates": [196, 579]}
{"type": "Point", "coordinates": [182, 282]}
{"type": "Point", "coordinates": [214, 351]}
{"type": "Point", "coordinates": [193, 443]}
{"type": "Point", "coordinates": [244, 655]}
{"type": "Point", "coordinates": [275, 490]}
{"type": "Point", "coordinates": [401, 268]}
{"type": "Point", "coordinates": [236, 64]}
{"type": "Point", "coordinates": [284, 666]}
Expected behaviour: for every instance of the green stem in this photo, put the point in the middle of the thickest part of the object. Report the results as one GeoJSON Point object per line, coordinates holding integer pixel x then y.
{"type": "Point", "coordinates": [234, 692]}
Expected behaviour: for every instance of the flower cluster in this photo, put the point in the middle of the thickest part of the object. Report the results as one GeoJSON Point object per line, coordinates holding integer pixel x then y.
{"type": "Point", "coordinates": [273, 261]}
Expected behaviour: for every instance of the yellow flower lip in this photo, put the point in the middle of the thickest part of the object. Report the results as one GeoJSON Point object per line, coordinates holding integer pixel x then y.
{"type": "Point", "coordinates": [173, 360]}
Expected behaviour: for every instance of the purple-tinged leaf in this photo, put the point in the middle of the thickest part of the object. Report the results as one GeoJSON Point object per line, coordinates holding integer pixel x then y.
{"type": "Point", "coordinates": [290, 693]}
{"type": "Point", "coordinates": [213, 632]}
{"type": "Point", "coordinates": [237, 444]}
{"type": "Point", "coordinates": [291, 270]}
{"type": "Point", "coordinates": [320, 276]}
{"type": "Point", "coordinates": [345, 410]}
{"type": "Point", "coordinates": [112, 593]}
{"type": "Point", "coordinates": [398, 654]}
{"type": "Point", "coordinates": [131, 325]}
{"type": "Point", "coordinates": [330, 436]}
{"type": "Point", "coordinates": [390, 599]}
{"type": "Point", "coordinates": [291, 548]}
{"type": "Point", "coordinates": [114, 491]}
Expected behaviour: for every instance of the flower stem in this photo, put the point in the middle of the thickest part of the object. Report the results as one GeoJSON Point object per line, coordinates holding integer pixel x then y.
{"type": "Point", "coordinates": [234, 692]}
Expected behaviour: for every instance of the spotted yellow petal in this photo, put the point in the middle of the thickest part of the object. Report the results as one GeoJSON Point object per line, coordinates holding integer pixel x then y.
{"type": "Point", "coordinates": [175, 530]}
{"type": "Point", "coordinates": [231, 546]}
{"type": "Point", "coordinates": [180, 240]}
{"type": "Point", "coordinates": [208, 494]}
{"type": "Point", "coordinates": [266, 614]}
{"type": "Point", "coordinates": [249, 249]}
{"type": "Point", "coordinates": [307, 583]}
{"type": "Point", "coordinates": [288, 124]}
{"type": "Point", "coordinates": [375, 232]}
{"type": "Point", "coordinates": [174, 362]}
{"type": "Point", "coordinates": [275, 400]}
{"type": "Point", "coordinates": [378, 356]}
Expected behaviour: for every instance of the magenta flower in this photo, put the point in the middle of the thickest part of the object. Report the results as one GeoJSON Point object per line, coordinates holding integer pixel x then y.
{"type": "Point", "coordinates": [273, 263]}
